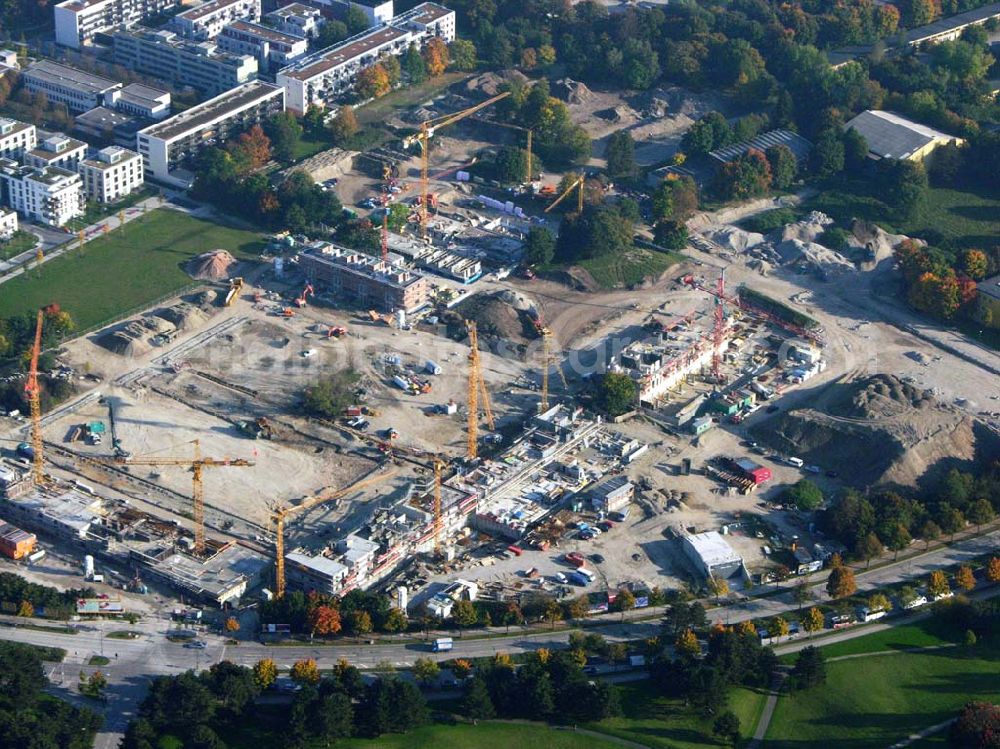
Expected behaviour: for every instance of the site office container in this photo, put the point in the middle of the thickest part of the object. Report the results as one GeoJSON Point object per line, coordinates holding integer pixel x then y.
{"type": "Point", "coordinates": [515, 550]}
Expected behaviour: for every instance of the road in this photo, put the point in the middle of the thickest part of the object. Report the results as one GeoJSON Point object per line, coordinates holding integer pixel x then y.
{"type": "Point", "coordinates": [134, 662]}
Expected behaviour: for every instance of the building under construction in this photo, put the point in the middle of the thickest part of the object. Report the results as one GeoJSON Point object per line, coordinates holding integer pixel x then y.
{"type": "Point", "coordinates": [367, 280]}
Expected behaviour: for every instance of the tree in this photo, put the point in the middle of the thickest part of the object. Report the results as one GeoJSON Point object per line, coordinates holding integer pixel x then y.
{"type": "Point", "coordinates": [355, 19]}
{"type": "Point", "coordinates": [993, 570]}
{"type": "Point", "coordinates": [512, 615]}
{"type": "Point", "coordinates": [256, 147]}
{"type": "Point", "coordinates": [285, 132]}
{"type": "Point", "coordinates": [359, 623]}
{"type": "Point", "coordinates": [855, 150]}
{"type": "Point", "coordinates": [463, 613]}
{"type": "Point", "coordinates": [718, 586]}
{"type": "Point", "coordinates": [463, 55]}
{"type": "Point", "coordinates": [436, 57]}
{"type": "Point", "coordinates": [395, 621]}
{"type": "Point", "coordinates": [784, 166]}
{"type": "Point", "coordinates": [965, 578]}
{"type": "Point", "coordinates": [511, 165]}
{"type": "Point", "coordinates": [345, 124]}
{"type": "Point", "coordinates": [930, 531]}
{"type": "Point", "coordinates": [426, 670]}
{"type": "Point", "coordinates": [868, 547]}
{"type": "Point", "coordinates": [332, 715]}
{"type": "Point", "coordinates": [324, 621]}
{"type": "Point", "coordinates": [305, 671]}
{"type": "Point", "coordinates": [687, 644]}
{"type": "Point", "coordinates": [727, 727]}
{"type": "Point", "coordinates": [813, 621]}
{"type": "Point", "coordinates": [746, 176]}
{"type": "Point", "coordinates": [625, 601]}
{"type": "Point", "coordinates": [709, 133]}
{"type": "Point", "coordinates": [975, 265]}
{"type": "Point", "coordinates": [462, 668]}
{"type": "Point", "coordinates": [620, 156]}
{"type": "Point", "coordinates": [937, 584]}
{"type": "Point", "coordinates": [980, 513]}
{"type": "Point", "coordinates": [232, 624]}
{"type": "Point", "coordinates": [670, 234]}
{"type": "Point", "coordinates": [616, 393]}
{"type": "Point", "coordinates": [26, 609]}
{"type": "Point", "coordinates": [265, 673]}
{"type": "Point", "coordinates": [897, 538]}
{"type": "Point", "coordinates": [810, 668]}
{"type": "Point", "coordinates": [840, 583]}
{"type": "Point", "coordinates": [976, 727]}
{"type": "Point", "coordinates": [477, 703]}
{"type": "Point", "coordinates": [828, 154]}
{"type": "Point", "coordinates": [950, 520]}
{"type": "Point", "coordinates": [878, 602]}
{"type": "Point", "coordinates": [553, 613]}
{"type": "Point", "coordinates": [597, 232]}
{"type": "Point", "coordinates": [779, 627]}
{"type": "Point", "coordinates": [804, 494]}
{"type": "Point", "coordinates": [373, 81]}
{"type": "Point", "coordinates": [413, 65]}
{"type": "Point", "coordinates": [540, 247]}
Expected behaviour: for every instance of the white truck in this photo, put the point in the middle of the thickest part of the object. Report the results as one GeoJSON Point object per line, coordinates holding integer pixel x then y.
{"type": "Point", "coordinates": [442, 644]}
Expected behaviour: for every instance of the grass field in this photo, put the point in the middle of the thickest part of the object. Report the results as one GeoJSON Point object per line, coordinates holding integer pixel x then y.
{"type": "Point", "coordinates": [920, 635]}
{"type": "Point", "coordinates": [20, 242]}
{"type": "Point", "coordinates": [873, 702]}
{"type": "Point", "coordinates": [661, 723]}
{"type": "Point", "coordinates": [403, 98]}
{"type": "Point", "coordinates": [125, 269]}
{"type": "Point", "coordinates": [634, 267]}
{"type": "Point", "coordinates": [310, 145]}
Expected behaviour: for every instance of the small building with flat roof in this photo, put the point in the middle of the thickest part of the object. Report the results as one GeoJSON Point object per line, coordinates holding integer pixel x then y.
{"type": "Point", "coordinates": [712, 555]}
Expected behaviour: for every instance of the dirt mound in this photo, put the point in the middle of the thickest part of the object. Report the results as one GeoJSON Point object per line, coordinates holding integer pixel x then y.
{"type": "Point", "coordinates": [878, 243]}
{"type": "Point", "coordinates": [734, 238]}
{"type": "Point", "coordinates": [571, 92]}
{"type": "Point", "coordinates": [488, 84]}
{"type": "Point", "coordinates": [184, 316]}
{"type": "Point", "coordinates": [501, 316]}
{"type": "Point", "coordinates": [879, 430]}
{"type": "Point", "coordinates": [132, 338]}
{"type": "Point", "coordinates": [212, 266]}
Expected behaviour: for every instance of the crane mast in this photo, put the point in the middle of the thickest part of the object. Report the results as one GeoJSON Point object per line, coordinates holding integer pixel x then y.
{"type": "Point", "coordinates": [34, 393]}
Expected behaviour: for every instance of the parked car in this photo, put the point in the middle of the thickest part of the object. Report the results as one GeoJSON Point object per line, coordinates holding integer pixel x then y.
{"type": "Point", "coordinates": [596, 558]}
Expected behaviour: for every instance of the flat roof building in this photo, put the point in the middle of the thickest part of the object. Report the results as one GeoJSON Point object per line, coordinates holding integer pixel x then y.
{"type": "Point", "coordinates": [310, 572]}
{"type": "Point", "coordinates": [612, 495]}
{"type": "Point", "coordinates": [892, 136]}
{"type": "Point", "coordinates": [57, 150]}
{"type": "Point", "coordinates": [144, 101]}
{"type": "Point", "coordinates": [111, 174]}
{"type": "Point", "coordinates": [378, 12]}
{"type": "Point", "coordinates": [166, 145]}
{"type": "Point", "coordinates": [16, 137]}
{"type": "Point", "coordinates": [322, 77]}
{"type": "Point", "coordinates": [273, 49]}
{"type": "Point", "coordinates": [77, 89]}
{"type": "Point", "coordinates": [200, 65]}
{"type": "Point", "coordinates": [798, 145]}
{"type": "Point", "coordinates": [15, 543]}
{"type": "Point", "coordinates": [109, 126]}
{"type": "Point", "coordinates": [58, 510]}
{"type": "Point", "coordinates": [207, 20]}
{"type": "Point", "coordinates": [366, 279]}
{"type": "Point", "coordinates": [712, 555]}
{"type": "Point", "coordinates": [78, 21]}
{"type": "Point", "coordinates": [48, 195]}
{"type": "Point", "coordinates": [298, 19]}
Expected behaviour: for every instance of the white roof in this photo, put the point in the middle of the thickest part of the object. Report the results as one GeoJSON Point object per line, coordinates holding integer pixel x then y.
{"type": "Point", "coordinates": [892, 136]}
{"type": "Point", "coordinates": [713, 548]}
{"type": "Point", "coordinates": [322, 565]}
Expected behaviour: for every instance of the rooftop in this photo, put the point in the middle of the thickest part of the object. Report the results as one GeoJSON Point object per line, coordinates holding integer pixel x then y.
{"type": "Point", "coordinates": [361, 264]}
{"type": "Point", "coordinates": [990, 287]}
{"type": "Point", "coordinates": [338, 54]}
{"type": "Point", "coordinates": [110, 157]}
{"type": "Point", "coordinates": [798, 145]}
{"type": "Point", "coordinates": [318, 563]}
{"type": "Point", "coordinates": [613, 484]}
{"type": "Point", "coordinates": [216, 576]}
{"type": "Point", "coordinates": [62, 506]}
{"type": "Point", "coordinates": [146, 95]}
{"type": "Point", "coordinates": [423, 14]}
{"type": "Point", "coordinates": [264, 32]}
{"type": "Point", "coordinates": [9, 126]}
{"type": "Point", "coordinates": [56, 74]}
{"type": "Point", "coordinates": [78, 5]}
{"type": "Point", "coordinates": [295, 9]}
{"type": "Point", "coordinates": [892, 136]}
{"type": "Point", "coordinates": [102, 117]}
{"type": "Point", "coordinates": [944, 25]}
{"type": "Point", "coordinates": [55, 147]}
{"type": "Point", "coordinates": [206, 9]}
{"type": "Point", "coordinates": [207, 112]}
{"type": "Point", "coordinates": [713, 548]}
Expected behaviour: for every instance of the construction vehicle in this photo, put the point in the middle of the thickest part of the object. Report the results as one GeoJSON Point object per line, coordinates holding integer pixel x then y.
{"type": "Point", "coordinates": [300, 301]}
{"type": "Point", "coordinates": [286, 312]}
{"type": "Point", "coordinates": [281, 513]}
{"type": "Point", "coordinates": [577, 185]}
{"type": "Point", "coordinates": [336, 331]}
{"type": "Point", "coordinates": [34, 392]}
{"type": "Point", "coordinates": [116, 443]}
{"type": "Point", "coordinates": [427, 130]}
{"type": "Point", "coordinates": [197, 465]}
{"type": "Point", "coordinates": [379, 317]}
{"type": "Point", "coordinates": [476, 390]}
{"type": "Point", "coordinates": [235, 287]}
{"type": "Point", "coordinates": [259, 428]}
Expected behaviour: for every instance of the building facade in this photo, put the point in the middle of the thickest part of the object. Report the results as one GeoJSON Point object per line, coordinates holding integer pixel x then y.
{"type": "Point", "coordinates": [201, 65]}
{"type": "Point", "coordinates": [297, 19]}
{"type": "Point", "coordinates": [77, 89]}
{"type": "Point", "coordinates": [321, 78]}
{"type": "Point", "coordinates": [8, 223]}
{"type": "Point", "coordinates": [111, 174]}
{"type": "Point", "coordinates": [207, 20]}
{"type": "Point", "coordinates": [16, 138]}
{"type": "Point", "coordinates": [110, 126]}
{"type": "Point", "coordinates": [612, 495]}
{"type": "Point", "coordinates": [166, 145]}
{"type": "Point", "coordinates": [49, 195]}
{"type": "Point", "coordinates": [77, 21]}
{"type": "Point", "coordinates": [144, 101]}
{"type": "Point", "coordinates": [57, 150]}
{"type": "Point", "coordinates": [273, 49]}
{"type": "Point", "coordinates": [712, 555]}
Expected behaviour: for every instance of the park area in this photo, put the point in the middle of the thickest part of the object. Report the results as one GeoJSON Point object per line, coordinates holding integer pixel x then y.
{"type": "Point", "coordinates": [126, 270]}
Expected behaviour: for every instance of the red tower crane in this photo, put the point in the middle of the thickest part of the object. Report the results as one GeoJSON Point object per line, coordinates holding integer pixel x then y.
{"type": "Point", "coordinates": [719, 330]}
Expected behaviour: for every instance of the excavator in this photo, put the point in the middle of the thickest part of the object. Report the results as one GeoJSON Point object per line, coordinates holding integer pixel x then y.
{"type": "Point", "coordinates": [300, 301]}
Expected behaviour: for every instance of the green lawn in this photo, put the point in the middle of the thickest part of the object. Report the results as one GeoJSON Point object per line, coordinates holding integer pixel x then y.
{"type": "Point", "coordinates": [96, 212]}
{"type": "Point", "coordinates": [20, 242]}
{"type": "Point", "coordinates": [310, 145]}
{"type": "Point", "coordinates": [403, 98]}
{"type": "Point", "coordinates": [124, 270]}
{"type": "Point", "coordinates": [661, 723]}
{"type": "Point", "coordinates": [918, 635]}
{"type": "Point", "coordinates": [874, 702]}
{"type": "Point", "coordinates": [634, 267]}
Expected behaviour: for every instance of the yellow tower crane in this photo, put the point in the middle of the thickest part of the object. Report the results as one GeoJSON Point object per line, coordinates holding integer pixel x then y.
{"type": "Point", "coordinates": [477, 394]}
{"type": "Point", "coordinates": [577, 183]}
{"type": "Point", "coordinates": [34, 393]}
{"type": "Point", "coordinates": [543, 404]}
{"type": "Point", "coordinates": [197, 465]}
{"type": "Point", "coordinates": [281, 513]}
{"type": "Point", "coordinates": [427, 130]}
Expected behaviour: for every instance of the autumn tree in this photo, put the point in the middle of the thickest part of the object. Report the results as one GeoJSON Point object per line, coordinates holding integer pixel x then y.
{"type": "Point", "coordinates": [512, 615]}
{"type": "Point", "coordinates": [305, 671]}
{"type": "Point", "coordinates": [461, 668]}
{"type": "Point", "coordinates": [360, 622]}
{"type": "Point", "coordinates": [993, 570]}
{"type": "Point", "coordinates": [553, 613]}
{"type": "Point", "coordinates": [687, 644]}
{"type": "Point", "coordinates": [975, 264]}
{"type": "Point", "coordinates": [841, 582]}
{"type": "Point", "coordinates": [265, 673]}
{"type": "Point", "coordinates": [747, 176]}
{"type": "Point", "coordinates": [324, 620]}
{"type": "Point", "coordinates": [26, 609]}
{"type": "Point", "coordinates": [719, 586]}
{"type": "Point", "coordinates": [937, 584]}
{"type": "Point", "coordinates": [625, 601]}
{"type": "Point", "coordinates": [813, 621]}
{"type": "Point", "coordinates": [232, 624]}
{"type": "Point", "coordinates": [965, 578]}
{"type": "Point", "coordinates": [878, 602]}
{"type": "Point", "coordinates": [372, 82]}
{"type": "Point", "coordinates": [345, 124]}
{"type": "Point", "coordinates": [463, 613]}
{"type": "Point", "coordinates": [746, 627]}
{"type": "Point", "coordinates": [395, 621]}
{"type": "Point", "coordinates": [779, 627]}
{"type": "Point", "coordinates": [256, 146]}
{"type": "Point", "coordinates": [436, 57]}
{"type": "Point", "coordinates": [426, 670]}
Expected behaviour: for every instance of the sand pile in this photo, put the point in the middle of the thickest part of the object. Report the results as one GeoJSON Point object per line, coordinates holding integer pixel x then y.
{"type": "Point", "coordinates": [571, 92]}
{"type": "Point", "coordinates": [132, 338]}
{"type": "Point", "coordinates": [734, 238]}
{"type": "Point", "coordinates": [877, 242]}
{"type": "Point", "coordinates": [183, 316]}
{"type": "Point", "coordinates": [212, 266]}
{"type": "Point", "coordinates": [808, 229]}
{"type": "Point", "coordinates": [878, 430]}
{"type": "Point", "coordinates": [488, 84]}
{"type": "Point", "coordinates": [505, 315]}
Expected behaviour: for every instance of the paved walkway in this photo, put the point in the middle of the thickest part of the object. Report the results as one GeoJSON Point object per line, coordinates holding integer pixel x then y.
{"type": "Point", "coordinates": [914, 737]}
{"type": "Point", "coordinates": [764, 722]}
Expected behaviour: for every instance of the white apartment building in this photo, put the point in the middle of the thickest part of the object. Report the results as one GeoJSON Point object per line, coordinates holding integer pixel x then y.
{"type": "Point", "coordinates": [113, 173]}
{"type": "Point", "coordinates": [144, 101]}
{"type": "Point", "coordinates": [8, 223]}
{"type": "Point", "coordinates": [207, 20]}
{"type": "Point", "coordinates": [78, 90]}
{"type": "Point", "coordinates": [77, 21]}
{"type": "Point", "coordinates": [16, 137]}
{"type": "Point", "coordinates": [50, 195]}
{"type": "Point", "coordinates": [273, 49]}
{"type": "Point", "coordinates": [57, 150]}
{"type": "Point", "coordinates": [168, 144]}
{"type": "Point", "coordinates": [378, 12]}
{"type": "Point", "coordinates": [297, 19]}
{"type": "Point", "coordinates": [322, 77]}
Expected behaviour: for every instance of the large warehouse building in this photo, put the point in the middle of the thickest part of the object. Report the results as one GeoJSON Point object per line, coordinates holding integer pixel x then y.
{"type": "Point", "coordinates": [712, 555]}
